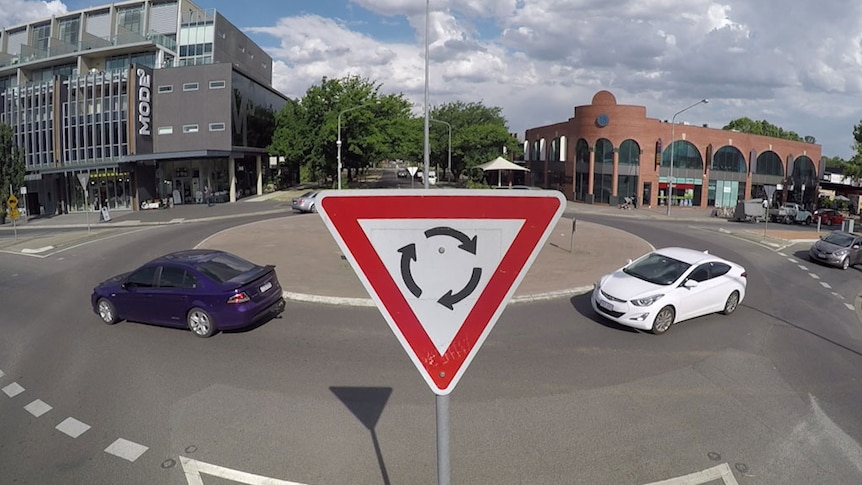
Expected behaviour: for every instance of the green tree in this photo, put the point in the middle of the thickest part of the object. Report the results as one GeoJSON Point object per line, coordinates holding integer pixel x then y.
{"type": "Point", "coordinates": [853, 167]}
{"type": "Point", "coordinates": [11, 165]}
{"type": "Point", "coordinates": [765, 128]}
{"type": "Point", "coordinates": [479, 134]}
{"type": "Point", "coordinates": [373, 128]}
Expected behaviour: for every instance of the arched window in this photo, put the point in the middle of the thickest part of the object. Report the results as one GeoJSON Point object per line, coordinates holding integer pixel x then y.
{"type": "Point", "coordinates": [728, 159]}
{"type": "Point", "coordinates": [582, 151]}
{"type": "Point", "coordinates": [685, 155]}
{"type": "Point", "coordinates": [630, 153]}
{"type": "Point", "coordinates": [804, 171]}
{"type": "Point", "coordinates": [769, 163]}
{"type": "Point", "coordinates": [604, 151]}
{"type": "Point", "coordinates": [534, 153]}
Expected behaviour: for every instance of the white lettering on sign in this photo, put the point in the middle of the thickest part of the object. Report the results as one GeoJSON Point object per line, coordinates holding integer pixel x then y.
{"type": "Point", "coordinates": [144, 100]}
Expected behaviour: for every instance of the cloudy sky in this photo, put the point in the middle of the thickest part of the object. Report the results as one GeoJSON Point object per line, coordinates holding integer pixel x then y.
{"type": "Point", "coordinates": [794, 63]}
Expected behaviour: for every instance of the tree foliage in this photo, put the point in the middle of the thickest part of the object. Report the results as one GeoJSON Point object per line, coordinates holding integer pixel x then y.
{"type": "Point", "coordinates": [765, 128]}
{"type": "Point", "coordinates": [377, 127]}
{"type": "Point", "coordinates": [11, 164]}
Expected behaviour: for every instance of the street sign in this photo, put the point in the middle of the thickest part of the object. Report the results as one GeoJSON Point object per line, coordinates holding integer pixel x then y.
{"type": "Point", "coordinates": [412, 171]}
{"type": "Point", "coordinates": [84, 179]}
{"type": "Point", "coordinates": [13, 213]}
{"type": "Point", "coordinates": [12, 202]}
{"type": "Point", "coordinates": [441, 265]}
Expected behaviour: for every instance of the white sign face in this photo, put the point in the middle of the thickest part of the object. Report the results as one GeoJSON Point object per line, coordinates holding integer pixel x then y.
{"type": "Point", "coordinates": [441, 267]}
{"type": "Point", "coordinates": [84, 179]}
{"type": "Point", "coordinates": [412, 170]}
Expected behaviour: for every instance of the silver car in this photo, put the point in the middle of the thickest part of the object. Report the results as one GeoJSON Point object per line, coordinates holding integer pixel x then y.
{"type": "Point", "coordinates": [838, 248]}
{"type": "Point", "coordinates": [306, 202]}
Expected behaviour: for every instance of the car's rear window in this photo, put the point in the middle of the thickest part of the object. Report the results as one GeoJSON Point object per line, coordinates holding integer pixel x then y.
{"type": "Point", "coordinates": [225, 267]}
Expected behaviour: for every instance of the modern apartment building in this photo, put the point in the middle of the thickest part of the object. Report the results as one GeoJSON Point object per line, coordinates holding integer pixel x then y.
{"type": "Point", "coordinates": [142, 100]}
{"type": "Point", "coordinates": [608, 151]}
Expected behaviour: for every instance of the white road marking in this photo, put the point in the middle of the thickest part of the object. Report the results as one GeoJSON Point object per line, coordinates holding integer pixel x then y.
{"type": "Point", "coordinates": [126, 449]}
{"type": "Point", "coordinates": [814, 276]}
{"type": "Point", "coordinates": [851, 307]}
{"type": "Point", "coordinates": [837, 295]}
{"type": "Point", "coordinates": [803, 268]}
{"type": "Point", "coordinates": [1, 373]}
{"type": "Point", "coordinates": [721, 472]}
{"type": "Point", "coordinates": [38, 408]}
{"type": "Point", "coordinates": [37, 251]}
{"type": "Point", "coordinates": [13, 389]}
{"type": "Point", "coordinates": [177, 221]}
{"type": "Point", "coordinates": [72, 427]}
{"type": "Point", "coordinates": [793, 260]}
{"type": "Point", "coordinates": [782, 254]}
{"type": "Point", "coordinates": [194, 469]}
{"type": "Point", "coordinates": [825, 284]}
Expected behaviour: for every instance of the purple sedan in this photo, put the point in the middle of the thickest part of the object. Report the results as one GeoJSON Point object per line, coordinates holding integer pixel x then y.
{"type": "Point", "coordinates": [201, 289]}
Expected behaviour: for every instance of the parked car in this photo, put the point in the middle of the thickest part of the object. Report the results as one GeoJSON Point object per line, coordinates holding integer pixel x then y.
{"type": "Point", "coordinates": [306, 202]}
{"type": "Point", "coordinates": [838, 248]}
{"type": "Point", "coordinates": [402, 173]}
{"type": "Point", "coordinates": [667, 286]}
{"type": "Point", "coordinates": [201, 289]}
{"type": "Point", "coordinates": [828, 217]}
{"type": "Point", "coordinates": [432, 177]}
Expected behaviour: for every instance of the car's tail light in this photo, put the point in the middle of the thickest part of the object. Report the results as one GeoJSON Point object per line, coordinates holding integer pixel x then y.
{"type": "Point", "coordinates": [238, 298]}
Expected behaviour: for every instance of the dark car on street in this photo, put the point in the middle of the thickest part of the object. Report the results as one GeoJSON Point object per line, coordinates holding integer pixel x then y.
{"type": "Point", "coordinates": [838, 248]}
{"type": "Point", "coordinates": [203, 290]}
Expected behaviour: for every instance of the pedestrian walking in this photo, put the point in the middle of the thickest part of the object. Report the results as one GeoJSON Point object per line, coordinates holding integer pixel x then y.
{"type": "Point", "coordinates": [208, 196]}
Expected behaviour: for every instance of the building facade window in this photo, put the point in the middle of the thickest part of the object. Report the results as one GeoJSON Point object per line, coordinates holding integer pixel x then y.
{"type": "Point", "coordinates": [166, 89]}
{"type": "Point", "coordinates": [166, 130]}
{"type": "Point", "coordinates": [69, 30]}
{"type": "Point", "coordinates": [217, 84]}
{"type": "Point", "coordinates": [190, 128]}
{"type": "Point", "coordinates": [190, 86]}
{"type": "Point", "coordinates": [217, 126]}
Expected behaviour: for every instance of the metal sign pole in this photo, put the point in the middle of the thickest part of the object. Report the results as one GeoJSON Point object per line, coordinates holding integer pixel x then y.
{"type": "Point", "coordinates": [443, 466]}
{"type": "Point", "coordinates": [87, 210]}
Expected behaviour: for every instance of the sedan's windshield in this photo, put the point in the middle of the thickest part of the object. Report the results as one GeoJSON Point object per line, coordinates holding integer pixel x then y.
{"type": "Point", "coordinates": [657, 268]}
{"type": "Point", "coordinates": [839, 239]}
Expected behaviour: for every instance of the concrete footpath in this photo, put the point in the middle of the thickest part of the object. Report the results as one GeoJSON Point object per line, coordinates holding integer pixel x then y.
{"type": "Point", "coordinates": [311, 267]}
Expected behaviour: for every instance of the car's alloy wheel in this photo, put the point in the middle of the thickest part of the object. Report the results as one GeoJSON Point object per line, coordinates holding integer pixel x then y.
{"type": "Point", "coordinates": [200, 323]}
{"type": "Point", "coordinates": [313, 208]}
{"type": "Point", "coordinates": [663, 320]}
{"type": "Point", "coordinates": [845, 263]}
{"type": "Point", "coordinates": [107, 312]}
{"type": "Point", "coordinates": [731, 303]}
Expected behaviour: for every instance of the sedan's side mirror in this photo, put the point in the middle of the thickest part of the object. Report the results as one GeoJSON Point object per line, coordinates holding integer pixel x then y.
{"type": "Point", "coordinates": [689, 283]}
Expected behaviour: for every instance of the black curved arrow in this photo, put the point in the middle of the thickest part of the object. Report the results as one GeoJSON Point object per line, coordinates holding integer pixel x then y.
{"type": "Point", "coordinates": [408, 253]}
{"type": "Point", "coordinates": [467, 244]}
{"type": "Point", "coordinates": [449, 300]}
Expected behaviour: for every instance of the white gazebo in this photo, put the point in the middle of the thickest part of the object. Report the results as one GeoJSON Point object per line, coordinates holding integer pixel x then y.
{"type": "Point", "coordinates": [500, 164]}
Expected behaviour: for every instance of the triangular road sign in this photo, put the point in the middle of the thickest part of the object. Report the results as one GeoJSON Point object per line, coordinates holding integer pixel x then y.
{"type": "Point", "coordinates": [441, 265]}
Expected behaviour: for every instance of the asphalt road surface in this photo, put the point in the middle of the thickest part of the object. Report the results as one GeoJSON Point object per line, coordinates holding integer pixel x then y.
{"type": "Point", "coordinates": [326, 395]}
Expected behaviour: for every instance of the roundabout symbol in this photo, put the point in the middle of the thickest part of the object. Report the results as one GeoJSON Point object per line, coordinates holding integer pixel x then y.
{"type": "Point", "coordinates": [450, 298]}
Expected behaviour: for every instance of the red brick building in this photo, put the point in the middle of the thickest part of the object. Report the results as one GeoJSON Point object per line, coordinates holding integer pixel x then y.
{"type": "Point", "coordinates": [608, 151]}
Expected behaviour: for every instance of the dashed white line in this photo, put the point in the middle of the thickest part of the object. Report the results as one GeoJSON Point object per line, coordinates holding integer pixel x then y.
{"type": "Point", "coordinates": [72, 427]}
{"type": "Point", "coordinates": [851, 307]}
{"type": "Point", "coordinates": [793, 260]}
{"type": "Point", "coordinates": [825, 284]}
{"type": "Point", "coordinates": [837, 295]}
{"type": "Point", "coordinates": [1, 373]}
{"type": "Point", "coordinates": [126, 449]}
{"type": "Point", "coordinates": [782, 254]}
{"type": "Point", "coordinates": [13, 389]}
{"type": "Point", "coordinates": [814, 276]}
{"type": "Point", "coordinates": [38, 407]}
{"type": "Point", "coordinates": [803, 268]}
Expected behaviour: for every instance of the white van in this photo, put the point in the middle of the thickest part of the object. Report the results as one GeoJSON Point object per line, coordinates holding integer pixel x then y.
{"type": "Point", "coordinates": [432, 177]}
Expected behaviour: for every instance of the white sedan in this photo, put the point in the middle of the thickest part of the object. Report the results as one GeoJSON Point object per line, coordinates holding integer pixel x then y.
{"type": "Point", "coordinates": [667, 286]}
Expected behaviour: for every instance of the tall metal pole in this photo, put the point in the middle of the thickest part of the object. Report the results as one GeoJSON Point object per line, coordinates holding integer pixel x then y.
{"type": "Point", "coordinates": [448, 174]}
{"type": "Point", "coordinates": [672, 126]}
{"type": "Point", "coordinates": [427, 114]}
{"type": "Point", "coordinates": [444, 470]}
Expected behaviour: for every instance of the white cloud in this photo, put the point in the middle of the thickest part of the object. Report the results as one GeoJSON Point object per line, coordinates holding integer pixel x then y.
{"type": "Point", "coordinates": [15, 12]}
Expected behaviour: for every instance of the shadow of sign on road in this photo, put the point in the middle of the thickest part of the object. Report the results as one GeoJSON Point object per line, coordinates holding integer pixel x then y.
{"type": "Point", "coordinates": [367, 404]}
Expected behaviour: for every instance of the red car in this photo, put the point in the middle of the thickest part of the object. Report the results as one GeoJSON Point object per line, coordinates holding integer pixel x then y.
{"type": "Point", "coordinates": [828, 217]}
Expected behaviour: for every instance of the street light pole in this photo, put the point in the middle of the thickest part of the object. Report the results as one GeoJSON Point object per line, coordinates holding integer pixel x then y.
{"type": "Point", "coordinates": [338, 142]}
{"type": "Point", "coordinates": [449, 172]}
{"type": "Point", "coordinates": [669, 199]}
